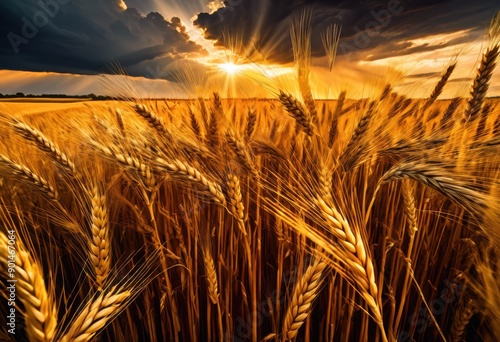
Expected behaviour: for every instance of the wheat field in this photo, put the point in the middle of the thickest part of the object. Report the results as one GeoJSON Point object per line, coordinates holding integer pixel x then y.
{"type": "Point", "coordinates": [255, 219]}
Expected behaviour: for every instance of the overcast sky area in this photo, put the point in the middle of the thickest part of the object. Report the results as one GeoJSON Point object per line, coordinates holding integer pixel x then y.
{"type": "Point", "coordinates": [174, 48]}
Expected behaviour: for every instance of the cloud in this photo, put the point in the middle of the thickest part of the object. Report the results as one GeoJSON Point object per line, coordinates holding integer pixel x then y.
{"type": "Point", "coordinates": [87, 37]}
{"type": "Point", "coordinates": [121, 4]}
{"type": "Point", "coordinates": [378, 28]}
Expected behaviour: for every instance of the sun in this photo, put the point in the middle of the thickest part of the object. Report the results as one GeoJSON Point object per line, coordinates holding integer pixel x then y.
{"type": "Point", "coordinates": [229, 68]}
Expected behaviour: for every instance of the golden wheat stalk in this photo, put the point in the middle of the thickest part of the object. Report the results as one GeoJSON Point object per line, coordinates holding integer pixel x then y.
{"type": "Point", "coordinates": [267, 146]}
{"type": "Point", "coordinates": [96, 314]}
{"type": "Point", "coordinates": [435, 177]}
{"type": "Point", "coordinates": [355, 248]}
{"type": "Point", "coordinates": [330, 39]}
{"type": "Point", "coordinates": [39, 308]}
{"type": "Point", "coordinates": [351, 240]}
{"type": "Point", "coordinates": [29, 177]}
{"type": "Point", "coordinates": [385, 92]}
{"type": "Point", "coordinates": [438, 89]}
{"type": "Point", "coordinates": [352, 151]}
{"type": "Point", "coordinates": [235, 197]}
{"type": "Point", "coordinates": [251, 124]}
{"type": "Point", "coordinates": [334, 125]}
{"type": "Point", "coordinates": [300, 32]}
{"type": "Point", "coordinates": [447, 121]}
{"type": "Point", "coordinates": [341, 256]}
{"type": "Point", "coordinates": [216, 114]}
{"type": "Point", "coordinates": [484, 73]}
{"type": "Point", "coordinates": [211, 276]}
{"type": "Point", "coordinates": [405, 148]}
{"type": "Point", "coordinates": [242, 152]}
{"type": "Point", "coordinates": [45, 145]}
{"type": "Point", "coordinates": [481, 84]}
{"type": "Point", "coordinates": [410, 209]}
{"type": "Point", "coordinates": [154, 120]}
{"type": "Point", "coordinates": [298, 112]}
{"type": "Point", "coordinates": [195, 126]}
{"type": "Point", "coordinates": [188, 173]}
{"type": "Point", "coordinates": [203, 112]}
{"type": "Point", "coordinates": [465, 311]}
{"type": "Point", "coordinates": [129, 162]}
{"type": "Point", "coordinates": [305, 292]}
{"type": "Point", "coordinates": [325, 180]}
{"type": "Point", "coordinates": [100, 246]}
{"type": "Point", "coordinates": [119, 121]}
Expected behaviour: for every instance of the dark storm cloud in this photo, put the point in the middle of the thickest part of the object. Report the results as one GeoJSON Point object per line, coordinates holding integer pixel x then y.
{"type": "Point", "coordinates": [80, 36]}
{"type": "Point", "coordinates": [375, 28]}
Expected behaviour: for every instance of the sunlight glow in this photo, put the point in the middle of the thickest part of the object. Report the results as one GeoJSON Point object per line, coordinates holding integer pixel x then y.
{"type": "Point", "coordinates": [230, 68]}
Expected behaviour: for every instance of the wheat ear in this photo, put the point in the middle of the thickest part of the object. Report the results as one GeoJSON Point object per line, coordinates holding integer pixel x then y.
{"type": "Point", "coordinates": [352, 242]}
{"type": "Point", "coordinates": [251, 124]}
{"type": "Point", "coordinates": [32, 178]}
{"type": "Point", "coordinates": [40, 310]}
{"type": "Point", "coordinates": [129, 162]}
{"type": "Point", "coordinates": [195, 126]}
{"type": "Point", "coordinates": [481, 84]}
{"type": "Point", "coordinates": [484, 73]}
{"type": "Point", "coordinates": [305, 292]}
{"type": "Point", "coordinates": [186, 172]}
{"type": "Point", "coordinates": [154, 120]}
{"type": "Point", "coordinates": [338, 112]}
{"type": "Point", "coordinates": [437, 178]}
{"type": "Point", "coordinates": [410, 211]}
{"type": "Point", "coordinates": [438, 89]}
{"type": "Point", "coordinates": [298, 112]}
{"type": "Point", "coordinates": [95, 315]}
{"type": "Point", "coordinates": [385, 92]}
{"type": "Point", "coordinates": [463, 315]}
{"type": "Point", "coordinates": [216, 113]}
{"type": "Point", "coordinates": [235, 197]}
{"type": "Point", "coordinates": [211, 276]}
{"type": "Point", "coordinates": [330, 39]}
{"type": "Point", "coordinates": [100, 254]}
{"type": "Point", "coordinates": [343, 256]}
{"type": "Point", "coordinates": [119, 121]}
{"type": "Point", "coordinates": [351, 153]}
{"type": "Point", "coordinates": [447, 121]}
{"type": "Point", "coordinates": [242, 152]}
{"type": "Point", "coordinates": [300, 32]}
{"type": "Point", "coordinates": [47, 146]}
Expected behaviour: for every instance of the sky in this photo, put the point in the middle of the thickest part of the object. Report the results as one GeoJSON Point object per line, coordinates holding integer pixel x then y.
{"type": "Point", "coordinates": [241, 48]}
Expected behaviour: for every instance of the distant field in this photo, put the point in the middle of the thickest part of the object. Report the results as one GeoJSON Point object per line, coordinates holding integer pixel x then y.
{"type": "Point", "coordinates": [31, 106]}
{"type": "Point", "coordinates": [49, 100]}
{"type": "Point", "coordinates": [21, 106]}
